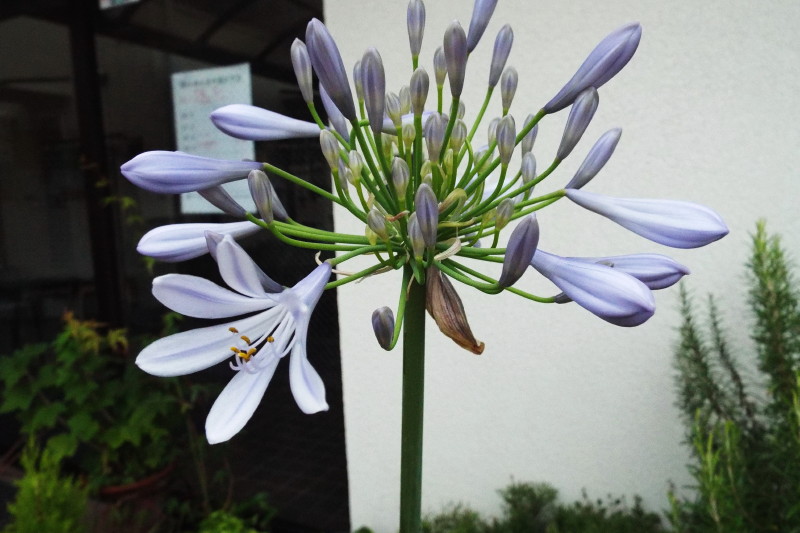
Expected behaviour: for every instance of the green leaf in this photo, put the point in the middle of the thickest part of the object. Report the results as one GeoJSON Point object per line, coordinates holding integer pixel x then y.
{"type": "Point", "coordinates": [83, 425]}
{"type": "Point", "coordinates": [17, 398]}
{"type": "Point", "coordinates": [62, 445]}
{"type": "Point", "coordinates": [45, 418]}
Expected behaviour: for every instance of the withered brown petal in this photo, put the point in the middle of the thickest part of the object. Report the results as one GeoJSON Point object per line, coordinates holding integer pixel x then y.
{"type": "Point", "coordinates": [444, 305]}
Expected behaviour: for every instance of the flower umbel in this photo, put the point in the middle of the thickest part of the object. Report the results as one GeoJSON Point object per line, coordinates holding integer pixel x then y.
{"type": "Point", "coordinates": [430, 200]}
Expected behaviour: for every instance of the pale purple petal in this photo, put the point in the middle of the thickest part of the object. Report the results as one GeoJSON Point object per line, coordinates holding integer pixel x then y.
{"type": "Point", "coordinates": [239, 271]}
{"type": "Point", "coordinates": [307, 387]}
{"type": "Point", "coordinates": [610, 294]}
{"type": "Point", "coordinates": [237, 402]}
{"type": "Point", "coordinates": [179, 242]}
{"type": "Point", "coordinates": [178, 172]}
{"type": "Point", "coordinates": [308, 291]}
{"type": "Point", "coordinates": [668, 222]}
{"type": "Point", "coordinates": [201, 298]}
{"type": "Point", "coordinates": [256, 124]}
{"type": "Point", "coordinates": [654, 270]}
{"type": "Point", "coordinates": [197, 349]}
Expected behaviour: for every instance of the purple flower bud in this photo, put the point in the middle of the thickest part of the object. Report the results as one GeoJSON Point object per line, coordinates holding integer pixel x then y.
{"type": "Point", "coordinates": [264, 196]}
{"type": "Point", "coordinates": [420, 84]}
{"type": "Point", "coordinates": [256, 124]}
{"type": "Point", "coordinates": [508, 87]}
{"type": "Point", "coordinates": [415, 236]}
{"type": "Point", "coordinates": [519, 251]}
{"type": "Point", "coordinates": [180, 242]}
{"type": "Point", "coordinates": [330, 149]}
{"type": "Point", "coordinates": [654, 270]}
{"type": "Point", "coordinates": [356, 163]}
{"type": "Point", "coordinates": [491, 130]}
{"type": "Point", "coordinates": [400, 176]}
{"type": "Point", "coordinates": [334, 115]}
{"type": "Point", "coordinates": [357, 81]}
{"type": "Point", "coordinates": [528, 167]}
{"type": "Point", "coordinates": [328, 65]}
{"type": "Point", "coordinates": [597, 157]}
{"type": "Point", "coordinates": [373, 79]}
{"type": "Point", "coordinates": [458, 135]}
{"type": "Point", "coordinates": [405, 100]}
{"type": "Point", "coordinates": [177, 172]}
{"type": "Point", "coordinates": [504, 211]}
{"type": "Point", "coordinates": [502, 48]}
{"type": "Point", "coordinates": [668, 222]}
{"type": "Point", "coordinates": [579, 117]}
{"type": "Point", "coordinates": [302, 70]}
{"type": "Point", "coordinates": [455, 54]}
{"type": "Point", "coordinates": [611, 294]}
{"type": "Point", "coordinates": [393, 110]}
{"type": "Point", "coordinates": [426, 206]}
{"type": "Point", "coordinates": [383, 324]}
{"type": "Point", "coordinates": [530, 137]}
{"type": "Point", "coordinates": [603, 63]}
{"type": "Point", "coordinates": [377, 223]}
{"type": "Point", "coordinates": [219, 198]}
{"type": "Point", "coordinates": [506, 139]}
{"type": "Point", "coordinates": [434, 135]}
{"type": "Point", "coordinates": [439, 66]}
{"type": "Point", "coordinates": [416, 25]}
{"type": "Point", "coordinates": [481, 13]}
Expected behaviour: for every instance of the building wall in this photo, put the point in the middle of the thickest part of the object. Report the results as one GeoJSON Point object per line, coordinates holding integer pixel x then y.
{"type": "Point", "coordinates": [709, 114]}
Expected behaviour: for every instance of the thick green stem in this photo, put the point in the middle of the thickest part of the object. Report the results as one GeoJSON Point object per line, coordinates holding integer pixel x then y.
{"type": "Point", "coordinates": [413, 395]}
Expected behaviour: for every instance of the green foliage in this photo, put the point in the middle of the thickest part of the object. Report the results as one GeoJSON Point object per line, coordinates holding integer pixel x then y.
{"type": "Point", "coordinates": [224, 522]}
{"type": "Point", "coordinates": [745, 447]}
{"type": "Point", "coordinates": [46, 501]}
{"type": "Point", "coordinates": [81, 396]}
{"type": "Point", "coordinates": [535, 508]}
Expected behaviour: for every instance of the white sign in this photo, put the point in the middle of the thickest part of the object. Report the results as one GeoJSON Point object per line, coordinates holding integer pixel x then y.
{"type": "Point", "coordinates": [195, 94]}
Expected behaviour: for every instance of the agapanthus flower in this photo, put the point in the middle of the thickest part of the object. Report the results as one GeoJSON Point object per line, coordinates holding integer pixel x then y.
{"type": "Point", "coordinates": [669, 222]}
{"type": "Point", "coordinates": [256, 124]}
{"type": "Point", "coordinates": [610, 294]}
{"type": "Point", "coordinates": [256, 343]}
{"type": "Point", "coordinates": [431, 200]}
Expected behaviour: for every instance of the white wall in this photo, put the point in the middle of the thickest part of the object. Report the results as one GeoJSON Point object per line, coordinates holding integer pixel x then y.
{"type": "Point", "coordinates": [709, 112]}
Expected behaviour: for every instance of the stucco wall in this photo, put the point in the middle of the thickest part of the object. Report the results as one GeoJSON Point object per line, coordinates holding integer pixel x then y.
{"type": "Point", "coordinates": [709, 113]}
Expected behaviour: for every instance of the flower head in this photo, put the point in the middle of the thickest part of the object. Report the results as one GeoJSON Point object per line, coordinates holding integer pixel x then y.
{"type": "Point", "coordinates": [257, 343]}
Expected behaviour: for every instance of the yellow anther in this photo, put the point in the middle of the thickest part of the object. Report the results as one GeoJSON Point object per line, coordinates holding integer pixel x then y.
{"type": "Point", "coordinates": [234, 349]}
{"type": "Point", "coordinates": [250, 352]}
{"type": "Point", "coordinates": [246, 339]}
{"type": "Point", "coordinates": [270, 339]}
{"type": "Point", "coordinates": [233, 330]}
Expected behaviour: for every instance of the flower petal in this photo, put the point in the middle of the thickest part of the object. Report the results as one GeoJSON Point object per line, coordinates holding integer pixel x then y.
{"type": "Point", "coordinates": [610, 294]}
{"type": "Point", "coordinates": [237, 402]}
{"type": "Point", "coordinates": [179, 242]}
{"type": "Point", "coordinates": [197, 349]}
{"type": "Point", "coordinates": [177, 172]}
{"type": "Point", "coordinates": [668, 222]}
{"type": "Point", "coordinates": [201, 298]}
{"type": "Point", "coordinates": [239, 271]}
{"type": "Point", "coordinates": [307, 387]}
{"type": "Point", "coordinates": [654, 270]}
{"type": "Point", "coordinates": [256, 124]}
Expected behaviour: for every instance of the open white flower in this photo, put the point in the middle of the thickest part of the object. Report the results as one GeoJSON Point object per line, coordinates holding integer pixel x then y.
{"type": "Point", "coordinates": [256, 342]}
